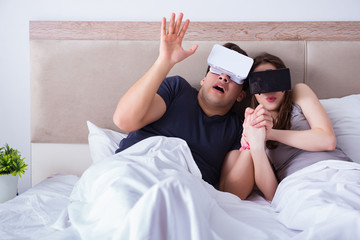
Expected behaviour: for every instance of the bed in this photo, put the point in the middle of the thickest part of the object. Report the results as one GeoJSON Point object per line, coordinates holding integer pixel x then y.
{"type": "Point", "coordinates": [153, 190]}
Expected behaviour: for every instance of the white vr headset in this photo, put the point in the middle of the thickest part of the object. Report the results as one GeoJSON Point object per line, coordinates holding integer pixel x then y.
{"type": "Point", "coordinates": [224, 60]}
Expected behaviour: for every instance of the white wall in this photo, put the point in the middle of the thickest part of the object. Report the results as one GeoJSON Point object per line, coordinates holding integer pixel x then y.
{"type": "Point", "coordinates": [14, 44]}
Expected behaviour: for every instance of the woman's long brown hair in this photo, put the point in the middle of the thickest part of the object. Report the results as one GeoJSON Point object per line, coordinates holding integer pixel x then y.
{"type": "Point", "coordinates": [283, 119]}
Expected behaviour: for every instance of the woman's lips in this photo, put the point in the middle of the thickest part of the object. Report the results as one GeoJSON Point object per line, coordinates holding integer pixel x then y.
{"type": "Point", "coordinates": [271, 99]}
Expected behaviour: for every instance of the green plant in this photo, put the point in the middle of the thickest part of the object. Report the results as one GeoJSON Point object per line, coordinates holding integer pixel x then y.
{"type": "Point", "coordinates": [11, 162]}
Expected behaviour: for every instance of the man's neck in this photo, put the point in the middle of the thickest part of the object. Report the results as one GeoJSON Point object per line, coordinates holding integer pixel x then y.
{"type": "Point", "coordinates": [211, 111]}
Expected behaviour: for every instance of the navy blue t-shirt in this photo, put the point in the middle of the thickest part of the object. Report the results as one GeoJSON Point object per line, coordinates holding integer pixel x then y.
{"type": "Point", "coordinates": [209, 138]}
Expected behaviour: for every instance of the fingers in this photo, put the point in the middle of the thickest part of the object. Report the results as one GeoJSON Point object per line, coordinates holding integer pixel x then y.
{"type": "Point", "coordinates": [256, 120]}
{"type": "Point", "coordinates": [192, 50]}
{"type": "Point", "coordinates": [246, 121]}
{"type": "Point", "coordinates": [171, 24]}
{"type": "Point", "coordinates": [184, 28]}
{"type": "Point", "coordinates": [175, 26]}
{"type": "Point", "coordinates": [163, 26]}
{"type": "Point", "coordinates": [244, 143]}
{"type": "Point", "coordinates": [178, 23]}
{"type": "Point", "coordinates": [248, 111]}
{"type": "Point", "coordinates": [259, 110]}
{"type": "Point", "coordinates": [252, 136]}
{"type": "Point", "coordinates": [171, 40]}
{"type": "Point", "coordinates": [263, 121]}
{"type": "Point", "coordinates": [262, 118]}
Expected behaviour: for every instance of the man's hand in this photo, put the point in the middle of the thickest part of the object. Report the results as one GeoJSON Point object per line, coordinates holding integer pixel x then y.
{"type": "Point", "coordinates": [260, 117]}
{"type": "Point", "coordinates": [171, 50]}
{"type": "Point", "coordinates": [254, 137]}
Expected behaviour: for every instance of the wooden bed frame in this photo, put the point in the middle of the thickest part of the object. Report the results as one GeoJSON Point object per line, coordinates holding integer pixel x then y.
{"type": "Point", "coordinates": [79, 70]}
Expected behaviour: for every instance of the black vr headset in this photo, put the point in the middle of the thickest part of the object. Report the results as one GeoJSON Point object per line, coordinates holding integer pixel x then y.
{"type": "Point", "coordinates": [270, 81]}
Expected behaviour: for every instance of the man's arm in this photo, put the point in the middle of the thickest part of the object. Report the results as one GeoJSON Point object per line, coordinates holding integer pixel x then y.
{"type": "Point", "coordinates": [141, 105]}
{"type": "Point", "coordinates": [237, 174]}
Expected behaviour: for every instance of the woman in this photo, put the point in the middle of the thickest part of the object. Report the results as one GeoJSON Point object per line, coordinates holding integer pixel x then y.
{"type": "Point", "coordinates": [302, 133]}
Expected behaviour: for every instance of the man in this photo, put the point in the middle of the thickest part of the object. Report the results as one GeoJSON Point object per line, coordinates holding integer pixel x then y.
{"type": "Point", "coordinates": [156, 105]}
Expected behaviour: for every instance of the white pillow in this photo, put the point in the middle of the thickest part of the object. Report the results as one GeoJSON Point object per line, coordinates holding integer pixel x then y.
{"type": "Point", "coordinates": [344, 114]}
{"type": "Point", "coordinates": [103, 142]}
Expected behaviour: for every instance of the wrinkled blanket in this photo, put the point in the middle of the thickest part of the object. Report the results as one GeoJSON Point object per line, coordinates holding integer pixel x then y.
{"type": "Point", "coordinates": [154, 190]}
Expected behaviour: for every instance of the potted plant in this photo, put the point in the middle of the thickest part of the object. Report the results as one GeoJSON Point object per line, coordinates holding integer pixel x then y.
{"type": "Point", "coordinates": [12, 165]}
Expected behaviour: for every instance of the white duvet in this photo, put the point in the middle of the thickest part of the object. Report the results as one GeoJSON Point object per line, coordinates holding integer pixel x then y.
{"type": "Point", "coordinates": [323, 200]}
{"type": "Point", "coordinates": [154, 190]}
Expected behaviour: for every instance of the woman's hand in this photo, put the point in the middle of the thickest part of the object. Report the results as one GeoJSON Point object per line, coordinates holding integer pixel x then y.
{"type": "Point", "coordinates": [171, 50]}
{"type": "Point", "coordinates": [260, 118]}
{"type": "Point", "coordinates": [245, 145]}
{"type": "Point", "coordinates": [253, 136]}
{"type": "Point", "coordinates": [263, 173]}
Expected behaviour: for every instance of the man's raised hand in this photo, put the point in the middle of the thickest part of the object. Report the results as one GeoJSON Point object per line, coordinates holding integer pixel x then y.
{"type": "Point", "coordinates": [171, 49]}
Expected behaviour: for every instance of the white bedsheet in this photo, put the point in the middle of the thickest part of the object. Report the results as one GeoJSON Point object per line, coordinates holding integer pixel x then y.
{"type": "Point", "coordinates": [32, 214]}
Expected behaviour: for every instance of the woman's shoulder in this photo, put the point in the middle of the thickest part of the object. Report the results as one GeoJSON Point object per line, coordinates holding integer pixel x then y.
{"type": "Point", "coordinates": [301, 87]}
{"type": "Point", "coordinates": [303, 93]}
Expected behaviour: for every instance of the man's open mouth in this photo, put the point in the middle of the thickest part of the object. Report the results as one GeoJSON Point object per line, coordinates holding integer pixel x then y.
{"type": "Point", "coordinates": [219, 88]}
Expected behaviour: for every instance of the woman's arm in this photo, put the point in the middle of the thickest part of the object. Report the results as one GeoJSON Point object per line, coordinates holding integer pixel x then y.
{"type": "Point", "coordinates": [320, 136]}
{"type": "Point", "coordinates": [264, 175]}
{"type": "Point", "coordinates": [141, 105]}
{"type": "Point", "coordinates": [238, 173]}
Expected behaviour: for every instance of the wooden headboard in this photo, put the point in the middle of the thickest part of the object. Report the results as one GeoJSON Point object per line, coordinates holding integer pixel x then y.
{"type": "Point", "coordinates": [79, 70]}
